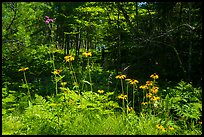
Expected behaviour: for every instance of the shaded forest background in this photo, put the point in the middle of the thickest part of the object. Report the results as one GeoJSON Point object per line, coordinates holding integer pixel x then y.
{"type": "Point", "coordinates": [135, 38]}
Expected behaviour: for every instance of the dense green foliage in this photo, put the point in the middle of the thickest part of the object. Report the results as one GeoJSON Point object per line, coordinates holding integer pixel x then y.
{"type": "Point", "coordinates": [101, 68]}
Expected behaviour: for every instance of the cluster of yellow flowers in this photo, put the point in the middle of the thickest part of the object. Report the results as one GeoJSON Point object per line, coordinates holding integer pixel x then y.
{"type": "Point", "coordinates": [150, 83]}
{"type": "Point", "coordinates": [130, 81]}
{"type": "Point", "coordinates": [151, 88]}
{"type": "Point", "coordinates": [164, 129]}
{"type": "Point", "coordinates": [154, 98]}
{"type": "Point", "coordinates": [154, 90]}
{"type": "Point", "coordinates": [70, 58]}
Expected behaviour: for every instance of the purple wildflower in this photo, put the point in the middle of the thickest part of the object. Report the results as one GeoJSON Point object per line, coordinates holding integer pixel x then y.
{"type": "Point", "coordinates": [48, 20]}
{"type": "Point", "coordinates": [51, 20]}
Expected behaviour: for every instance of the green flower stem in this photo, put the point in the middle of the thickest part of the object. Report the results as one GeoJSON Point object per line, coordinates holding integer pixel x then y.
{"type": "Point", "coordinates": [74, 75]}
{"type": "Point", "coordinates": [90, 75]}
{"type": "Point", "coordinates": [138, 97]}
{"type": "Point", "coordinates": [142, 97]}
{"type": "Point", "coordinates": [127, 98]}
{"type": "Point", "coordinates": [27, 84]}
{"type": "Point", "coordinates": [154, 82]}
{"type": "Point", "coordinates": [90, 81]}
{"type": "Point", "coordinates": [127, 92]}
{"type": "Point", "coordinates": [51, 41]}
{"type": "Point", "coordinates": [122, 86]}
{"type": "Point", "coordinates": [123, 109]}
{"type": "Point", "coordinates": [71, 70]}
{"type": "Point", "coordinates": [149, 106]}
{"type": "Point", "coordinates": [133, 93]}
{"type": "Point", "coordinates": [49, 25]}
{"type": "Point", "coordinates": [53, 58]}
{"type": "Point", "coordinates": [56, 87]}
{"type": "Point", "coordinates": [123, 94]}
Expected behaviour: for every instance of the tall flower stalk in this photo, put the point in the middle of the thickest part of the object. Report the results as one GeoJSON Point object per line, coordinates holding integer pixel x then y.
{"type": "Point", "coordinates": [56, 72]}
{"type": "Point", "coordinates": [133, 82]}
{"type": "Point", "coordinates": [69, 59]}
{"type": "Point", "coordinates": [24, 75]}
{"type": "Point", "coordinates": [121, 77]}
{"type": "Point", "coordinates": [144, 88]}
{"type": "Point", "coordinates": [123, 96]}
{"type": "Point", "coordinates": [90, 76]}
{"type": "Point", "coordinates": [89, 54]}
{"type": "Point", "coordinates": [73, 74]}
{"type": "Point", "coordinates": [127, 106]}
{"type": "Point", "coordinates": [48, 21]}
{"type": "Point", "coordinates": [52, 59]}
{"type": "Point", "coordinates": [133, 99]}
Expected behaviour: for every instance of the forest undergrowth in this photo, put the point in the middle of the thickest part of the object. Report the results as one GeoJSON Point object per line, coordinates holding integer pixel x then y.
{"type": "Point", "coordinates": [85, 99]}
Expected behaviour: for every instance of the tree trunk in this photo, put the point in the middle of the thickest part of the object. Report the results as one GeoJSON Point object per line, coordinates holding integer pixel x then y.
{"type": "Point", "coordinates": [77, 43]}
{"type": "Point", "coordinates": [118, 41]}
{"type": "Point", "coordinates": [190, 45]}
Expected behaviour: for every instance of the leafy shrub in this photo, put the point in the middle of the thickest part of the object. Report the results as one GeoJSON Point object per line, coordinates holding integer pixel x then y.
{"type": "Point", "coordinates": [182, 103]}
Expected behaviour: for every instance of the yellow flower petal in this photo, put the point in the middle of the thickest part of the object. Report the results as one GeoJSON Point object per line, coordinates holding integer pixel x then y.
{"type": "Point", "coordinates": [87, 54]}
{"type": "Point", "coordinates": [57, 71]}
{"type": "Point", "coordinates": [122, 96]}
{"type": "Point", "coordinates": [63, 83]}
{"type": "Point", "coordinates": [154, 76]}
{"type": "Point", "coordinates": [171, 128]}
{"type": "Point", "coordinates": [143, 87]}
{"type": "Point", "coordinates": [23, 69]}
{"type": "Point", "coordinates": [144, 103]}
{"type": "Point", "coordinates": [120, 76]}
{"type": "Point", "coordinates": [132, 81]}
{"type": "Point", "coordinates": [69, 58]}
{"type": "Point", "coordinates": [149, 83]}
{"type": "Point", "coordinates": [100, 91]}
{"type": "Point", "coordinates": [148, 95]}
{"type": "Point", "coordinates": [154, 90]}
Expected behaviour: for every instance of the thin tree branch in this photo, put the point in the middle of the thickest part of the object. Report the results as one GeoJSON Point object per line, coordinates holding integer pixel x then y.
{"type": "Point", "coordinates": [127, 18]}
{"type": "Point", "coordinates": [168, 32]}
{"type": "Point", "coordinates": [12, 20]}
